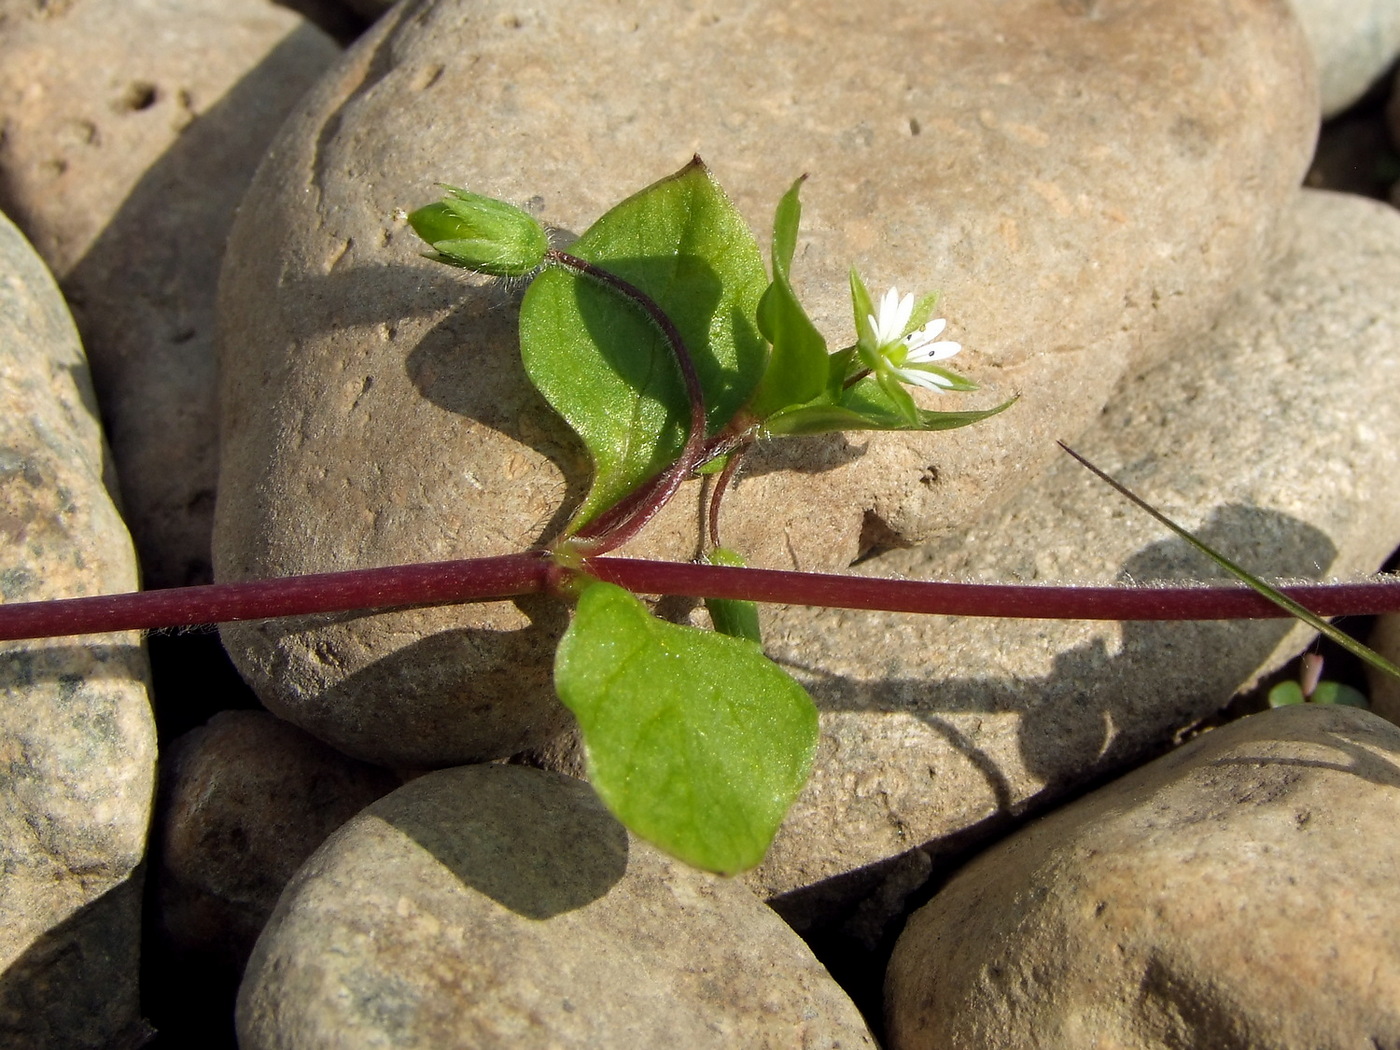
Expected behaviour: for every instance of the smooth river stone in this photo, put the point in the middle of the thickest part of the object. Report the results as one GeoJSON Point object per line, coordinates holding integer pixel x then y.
{"type": "Point", "coordinates": [498, 906]}
{"type": "Point", "coordinates": [1354, 42]}
{"type": "Point", "coordinates": [246, 799]}
{"type": "Point", "coordinates": [1239, 892]}
{"type": "Point", "coordinates": [1086, 182]}
{"type": "Point", "coordinates": [77, 740]}
{"type": "Point", "coordinates": [131, 131]}
{"type": "Point", "coordinates": [1274, 438]}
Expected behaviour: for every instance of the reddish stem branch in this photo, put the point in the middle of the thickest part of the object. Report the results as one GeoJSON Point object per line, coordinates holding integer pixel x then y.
{"type": "Point", "coordinates": [484, 579]}
{"type": "Point", "coordinates": [619, 524]}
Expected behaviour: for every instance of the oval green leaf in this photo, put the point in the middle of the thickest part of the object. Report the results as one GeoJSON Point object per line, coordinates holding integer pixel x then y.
{"type": "Point", "coordinates": [603, 365]}
{"type": "Point", "coordinates": [695, 740]}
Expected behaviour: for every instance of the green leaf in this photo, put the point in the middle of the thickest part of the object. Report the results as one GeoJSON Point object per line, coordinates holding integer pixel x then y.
{"type": "Point", "coordinates": [601, 362]}
{"type": "Point", "coordinates": [733, 616]}
{"type": "Point", "coordinates": [1337, 693]}
{"type": "Point", "coordinates": [865, 407]}
{"type": "Point", "coordinates": [695, 740]}
{"type": "Point", "coordinates": [797, 367]}
{"type": "Point", "coordinates": [1286, 694]}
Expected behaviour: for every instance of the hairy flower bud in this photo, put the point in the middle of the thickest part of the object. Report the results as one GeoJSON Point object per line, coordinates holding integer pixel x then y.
{"type": "Point", "coordinates": [481, 234]}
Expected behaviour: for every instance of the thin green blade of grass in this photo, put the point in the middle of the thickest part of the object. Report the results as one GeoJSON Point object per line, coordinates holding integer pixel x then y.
{"type": "Point", "coordinates": [1280, 599]}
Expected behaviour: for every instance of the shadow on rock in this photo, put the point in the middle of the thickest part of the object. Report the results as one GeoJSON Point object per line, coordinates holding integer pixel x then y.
{"type": "Point", "coordinates": [538, 853]}
{"type": "Point", "coordinates": [74, 987]}
{"type": "Point", "coordinates": [1098, 710]}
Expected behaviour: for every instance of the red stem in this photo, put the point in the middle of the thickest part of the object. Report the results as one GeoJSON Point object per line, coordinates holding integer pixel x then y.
{"type": "Point", "coordinates": [484, 579]}
{"type": "Point", "coordinates": [619, 524]}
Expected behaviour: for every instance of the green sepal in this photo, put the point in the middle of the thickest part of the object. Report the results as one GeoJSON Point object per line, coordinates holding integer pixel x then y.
{"type": "Point", "coordinates": [923, 312]}
{"type": "Point", "coordinates": [601, 362]}
{"type": "Point", "coordinates": [695, 740]}
{"type": "Point", "coordinates": [956, 383]}
{"type": "Point", "coordinates": [864, 309]}
{"type": "Point", "coordinates": [899, 398]}
{"type": "Point", "coordinates": [481, 234]}
{"type": "Point", "coordinates": [733, 616]}
{"type": "Point", "coordinates": [865, 407]}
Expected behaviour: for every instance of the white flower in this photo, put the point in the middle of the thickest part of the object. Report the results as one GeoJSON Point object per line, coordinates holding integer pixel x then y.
{"type": "Point", "coordinates": [896, 351]}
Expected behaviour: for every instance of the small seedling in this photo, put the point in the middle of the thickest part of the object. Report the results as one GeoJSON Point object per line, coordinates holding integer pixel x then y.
{"type": "Point", "coordinates": [1310, 687]}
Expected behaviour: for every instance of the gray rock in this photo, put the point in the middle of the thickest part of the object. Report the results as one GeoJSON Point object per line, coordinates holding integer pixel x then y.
{"type": "Point", "coordinates": [125, 170]}
{"type": "Point", "coordinates": [246, 799]}
{"type": "Point", "coordinates": [1354, 43]}
{"type": "Point", "coordinates": [77, 742]}
{"type": "Point", "coordinates": [497, 906]}
{"type": "Point", "coordinates": [1238, 892]}
{"type": "Point", "coordinates": [1274, 438]}
{"type": "Point", "coordinates": [1085, 182]}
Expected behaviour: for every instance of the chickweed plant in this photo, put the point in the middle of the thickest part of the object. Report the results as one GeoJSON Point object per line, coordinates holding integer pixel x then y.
{"type": "Point", "coordinates": [662, 341]}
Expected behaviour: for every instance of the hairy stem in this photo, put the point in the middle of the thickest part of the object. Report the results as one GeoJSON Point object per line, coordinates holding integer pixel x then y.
{"type": "Point", "coordinates": [484, 579]}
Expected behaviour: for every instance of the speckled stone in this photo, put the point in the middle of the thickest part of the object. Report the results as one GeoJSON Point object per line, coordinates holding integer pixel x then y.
{"type": "Point", "coordinates": [77, 741]}
{"type": "Point", "coordinates": [498, 906]}
{"type": "Point", "coordinates": [1238, 892]}
{"type": "Point", "coordinates": [1085, 182]}
{"type": "Point", "coordinates": [131, 131]}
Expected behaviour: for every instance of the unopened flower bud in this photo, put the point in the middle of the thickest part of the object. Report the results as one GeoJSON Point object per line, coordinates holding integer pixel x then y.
{"type": "Point", "coordinates": [481, 234]}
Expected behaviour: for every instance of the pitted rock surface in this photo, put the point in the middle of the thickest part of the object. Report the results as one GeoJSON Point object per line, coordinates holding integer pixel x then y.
{"type": "Point", "coordinates": [1086, 183]}
{"type": "Point", "coordinates": [131, 131]}
{"type": "Point", "coordinates": [498, 906]}
{"type": "Point", "coordinates": [77, 741]}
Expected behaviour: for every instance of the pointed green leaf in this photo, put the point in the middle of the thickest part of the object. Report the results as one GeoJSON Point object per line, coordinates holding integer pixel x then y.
{"type": "Point", "coordinates": [695, 740]}
{"type": "Point", "coordinates": [862, 307]}
{"type": "Point", "coordinates": [602, 364]}
{"type": "Point", "coordinates": [731, 615]}
{"type": "Point", "coordinates": [797, 367]}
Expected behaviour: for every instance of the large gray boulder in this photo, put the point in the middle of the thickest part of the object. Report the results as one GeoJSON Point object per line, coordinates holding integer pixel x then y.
{"type": "Point", "coordinates": [1273, 437]}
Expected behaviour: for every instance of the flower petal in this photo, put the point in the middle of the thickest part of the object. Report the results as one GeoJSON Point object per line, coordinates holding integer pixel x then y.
{"type": "Point", "coordinates": [917, 377]}
{"type": "Point", "coordinates": [894, 315]}
{"type": "Point", "coordinates": [927, 333]}
{"type": "Point", "coordinates": [932, 351]}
